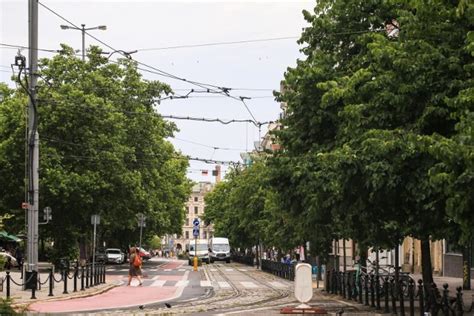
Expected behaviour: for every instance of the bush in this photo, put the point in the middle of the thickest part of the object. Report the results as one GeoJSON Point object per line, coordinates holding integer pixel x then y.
{"type": "Point", "coordinates": [6, 308]}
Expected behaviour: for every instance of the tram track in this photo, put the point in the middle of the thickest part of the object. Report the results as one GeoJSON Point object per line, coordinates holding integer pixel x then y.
{"type": "Point", "coordinates": [234, 298]}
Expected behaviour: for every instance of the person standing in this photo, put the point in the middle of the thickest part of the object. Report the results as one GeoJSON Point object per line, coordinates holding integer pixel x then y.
{"type": "Point", "coordinates": [135, 269]}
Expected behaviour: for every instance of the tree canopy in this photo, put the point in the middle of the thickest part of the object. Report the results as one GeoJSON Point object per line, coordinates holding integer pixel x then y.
{"type": "Point", "coordinates": [103, 151]}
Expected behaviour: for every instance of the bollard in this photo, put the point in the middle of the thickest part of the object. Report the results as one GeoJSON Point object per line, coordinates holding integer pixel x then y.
{"type": "Point", "coordinates": [91, 281]}
{"type": "Point", "coordinates": [343, 284]}
{"type": "Point", "coordinates": [104, 275]}
{"type": "Point", "coordinates": [51, 282]}
{"type": "Point", "coordinates": [33, 288]}
{"type": "Point", "coordinates": [372, 291]}
{"type": "Point", "coordinates": [377, 291]}
{"type": "Point", "coordinates": [65, 282]}
{"type": "Point", "coordinates": [445, 301]}
{"type": "Point", "coordinates": [411, 295]}
{"type": "Point", "coordinates": [366, 288]}
{"type": "Point", "coordinates": [459, 301]}
{"type": "Point", "coordinates": [82, 278]}
{"type": "Point", "coordinates": [421, 295]}
{"type": "Point", "coordinates": [8, 284]}
{"type": "Point", "coordinates": [386, 308]}
{"type": "Point", "coordinates": [394, 297]}
{"type": "Point", "coordinates": [76, 271]}
{"type": "Point", "coordinates": [359, 288]}
{"type": "Point", "coordinates": [402, 298]}
{"type": "Point", "coordinates": [87, 275]}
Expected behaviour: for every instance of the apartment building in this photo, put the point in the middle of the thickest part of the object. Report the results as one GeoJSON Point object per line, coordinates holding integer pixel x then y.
{"type": "Point", "coordinates": [195, 208]}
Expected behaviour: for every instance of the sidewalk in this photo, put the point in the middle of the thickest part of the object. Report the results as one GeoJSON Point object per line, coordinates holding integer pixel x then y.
{"type": "Point", "coordinates": [21, 299]}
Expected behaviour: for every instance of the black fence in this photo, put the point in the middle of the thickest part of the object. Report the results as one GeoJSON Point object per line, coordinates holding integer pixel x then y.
{"type": "Point", "coordinates": [248, 260]}
{"type": "Point", "coordinates": [399, 298]}
{"type": "Point", "coordinates": [280, 269]}
{"type": "Point", "coordinates": [82, 277]}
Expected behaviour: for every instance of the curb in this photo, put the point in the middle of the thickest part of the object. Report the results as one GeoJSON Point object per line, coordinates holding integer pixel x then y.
{"type": "Point", "coordinates": [25, 305]}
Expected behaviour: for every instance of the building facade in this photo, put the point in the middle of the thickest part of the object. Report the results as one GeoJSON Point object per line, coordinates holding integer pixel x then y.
{"type": "Point", "coordinates": [195, 208]}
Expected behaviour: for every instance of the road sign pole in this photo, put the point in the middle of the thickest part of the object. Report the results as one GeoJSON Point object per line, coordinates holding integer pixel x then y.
{"type": "Point", "coordinates": [195, 260]}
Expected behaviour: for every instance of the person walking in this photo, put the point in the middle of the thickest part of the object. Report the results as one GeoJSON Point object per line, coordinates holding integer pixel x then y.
{"type": "Point", "coordinates": [135, 269]}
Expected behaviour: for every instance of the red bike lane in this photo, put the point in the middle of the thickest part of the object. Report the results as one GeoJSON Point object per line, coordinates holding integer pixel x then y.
{"type": "Point", "coordinates": [121, 296]}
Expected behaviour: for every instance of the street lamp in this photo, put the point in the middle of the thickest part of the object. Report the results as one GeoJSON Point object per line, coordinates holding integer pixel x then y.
{"type": "Point", "coordinates": [83, 29]}
{"type": "Point", "coordinates": [141, 223]}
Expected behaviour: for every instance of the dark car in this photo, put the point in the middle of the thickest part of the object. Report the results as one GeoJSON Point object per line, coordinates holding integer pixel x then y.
{"type": "Point", "coordinates": [100, 256]}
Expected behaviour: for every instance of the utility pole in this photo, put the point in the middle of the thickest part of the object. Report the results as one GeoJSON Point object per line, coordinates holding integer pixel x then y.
{"type": "Point", "coordinates": [33, 146]}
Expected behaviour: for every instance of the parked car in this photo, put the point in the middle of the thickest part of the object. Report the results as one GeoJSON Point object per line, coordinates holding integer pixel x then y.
{"type": "Point", "coordinates": [6, 255]}
{"type": "Point", "coordinates": [114, 255]}
{"type": "Point", "coordinates": [99, 256]}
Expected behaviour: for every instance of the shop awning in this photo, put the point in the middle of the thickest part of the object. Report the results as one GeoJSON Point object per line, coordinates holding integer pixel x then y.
{"type": "Point", "coordinates": [5, 235]}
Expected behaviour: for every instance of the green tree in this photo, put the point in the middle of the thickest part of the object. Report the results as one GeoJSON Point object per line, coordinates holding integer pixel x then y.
{"type": "Point", "coordinates": [103, 151]}
{"type": "Point", "coordinates": [376, 105]}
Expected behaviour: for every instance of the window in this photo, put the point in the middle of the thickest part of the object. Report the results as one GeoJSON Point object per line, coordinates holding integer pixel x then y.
{"type": "Point", "coordinates": [196, 199]}
{"type": "Point", "coordinates": [187, 234]}
{"type": "Point", "coordinates": [187, 221]}
{"type": "Point", "coordinates": [196, 210]}
{"type": "Point", "coordinates": [190, 209]}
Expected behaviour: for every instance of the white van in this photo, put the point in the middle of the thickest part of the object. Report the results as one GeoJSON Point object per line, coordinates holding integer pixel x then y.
{"type": "Point", "coordinates": [201, 253]}
{"type": "Point", "coordinates": [219, 249]}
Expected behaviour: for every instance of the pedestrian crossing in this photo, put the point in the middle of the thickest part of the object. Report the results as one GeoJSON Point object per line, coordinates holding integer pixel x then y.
{"type": "Point", "coordinates": [156, 282]}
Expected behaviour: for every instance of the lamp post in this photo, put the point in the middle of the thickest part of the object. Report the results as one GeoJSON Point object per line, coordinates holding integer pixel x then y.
{"type": "Point", "coordinates": [141, 223]}
{"type": "Point", "coordinates": [83, 29]}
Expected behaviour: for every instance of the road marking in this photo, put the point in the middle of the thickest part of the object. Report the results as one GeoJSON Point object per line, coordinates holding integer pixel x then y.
{"type": "Point", "coordinates": [243, 270]}
{"type": "Point", "coordinates": [158, 283]}
{"type": "Point", "coordinates": [181, 270]}
{"type": "Point", "coordinates": [167, 270]}
{"type": "Point", "coordinates": [229, 270]}
{"type": "Point", "coordinates": [155, 277]}
{"type": "Point", "coordinates": [249, 285]}
{"type": "Point", "coordinates": [213, 270]}
{"type": "Point", "coordinates": [206, 283]}
{"type": "Point", "coordinates": [182, 283]}
{"type": "Point", "coordinates": [223, 284]}
{"type": "Point", "coordinates": [277, 284]}
{"type": "Point", "coordinates": [123, 270]}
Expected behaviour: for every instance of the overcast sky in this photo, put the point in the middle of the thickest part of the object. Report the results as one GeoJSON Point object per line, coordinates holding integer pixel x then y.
{"type": "Point", "coordinates": [136, 25]}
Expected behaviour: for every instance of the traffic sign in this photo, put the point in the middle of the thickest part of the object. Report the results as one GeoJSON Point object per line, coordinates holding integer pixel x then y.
{"type": "Point", "coordinates": [196, 231]}
{"type": "Point", "coordinates": [196, 222]}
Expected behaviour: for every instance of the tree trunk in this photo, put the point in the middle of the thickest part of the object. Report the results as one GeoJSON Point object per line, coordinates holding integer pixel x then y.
{"type": "Point", "coordinates": [362, 255]}
{"type": "Point", "coordinates": [466, 267]}
{"type": "Point", "coordinates": [426, 268]}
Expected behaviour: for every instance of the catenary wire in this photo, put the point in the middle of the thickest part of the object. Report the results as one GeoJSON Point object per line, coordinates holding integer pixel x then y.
{"type": "Point", "coordinates": [219, 43]}
{"type": "Point", "coordinates": [216, 88]}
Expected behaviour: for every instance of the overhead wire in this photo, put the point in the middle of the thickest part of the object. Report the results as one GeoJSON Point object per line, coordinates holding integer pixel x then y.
{"type": "Point", "coordinates": [219, 89]}
{"type": "Point", "coordinates": [219, 43]}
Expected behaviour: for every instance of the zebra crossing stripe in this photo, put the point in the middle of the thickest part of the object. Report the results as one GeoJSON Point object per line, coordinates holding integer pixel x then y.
{"type": "Point", "coordinates": [182, 283]}
{"type": "Point", "coordinates": [158, 283]}
{"type": "Point", "coordinates": [167, 270]}
{"type": "Point", "coordinates": [223, 284]}
{"type": "Point", "coordinates": [206, 283]}
{"type": "Point", "coordinates": [155, 277]}
{"type": "Point", "coordinates": [243, 270]}
{"type": "Point", "coordinates": [249, 285]}
{"type": "Point", "coordinates": [213, 270]}
{"type": "Point", "coordinates": [181, 270]}
{"type": "Point", "coordinates": [277, 284]}
{"type": "Point", "coordinates": [229, 270]}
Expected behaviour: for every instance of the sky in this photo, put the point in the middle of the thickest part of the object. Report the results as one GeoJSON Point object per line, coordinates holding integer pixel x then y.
{"type": "Point", "coordinates": [154, 28]}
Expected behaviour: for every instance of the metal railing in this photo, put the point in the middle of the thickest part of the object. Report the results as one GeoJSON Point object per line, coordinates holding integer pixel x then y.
{"type": "Point", "coordinates": [399, 298]}
{"type": "Point", "coordinates": [245, 259]}
{"type": "Point", "coordinates": [280, 269]}
{"type": "Point", "coordinates": [88, 276]}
